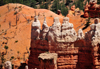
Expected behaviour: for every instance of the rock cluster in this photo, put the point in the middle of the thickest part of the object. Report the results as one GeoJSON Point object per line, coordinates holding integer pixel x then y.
{"type": "Point", "coordinates": [92, 9]}
{"type": "Point", "coordinates": [36, 28]}
{"type": "Point", "coordinates": [94, 34]}
{"type": "Point", "coordinates": [75, 50]}
{"type": "Point", "coordinates": [8, 65]}
{"type": "Point", "coordinates": [56, 32]}
{"type": "Point", "coordinates": [48, 61]}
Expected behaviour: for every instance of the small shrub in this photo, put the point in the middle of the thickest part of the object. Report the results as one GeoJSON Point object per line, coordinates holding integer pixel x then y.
{"type": "Point", "coordinates": [20, 10]}
{"type": "Point", "coordinates": [2, 30]}
{"type": "Point", "coordinates": [32, 16]}
{"type": "Point", "coordinates": [16, 41]}
{"type": "Point", "coordinates": [3, 42]}
{"type": "Point", "coordinates": [47, 52]}
{"type": "Point", "coordinates": [15, 8]}
{"type": "Point", "coordinates": [12, 57]}
{"type": "Point", "coordinates": [87, 23]}
{"type": "Point", "coordinates": [15, 13]}
{"type": "Point", "coordinates": [0, 25]}
{"type": "Point", "coordinates": [5, 33]}
{"type": "Point", "coordinates": [20, 6]}
{"type": "Point", "coordinates": [18, 52]}
{"type": "Point", "coordinates": [6, 47]}
{"type": "Point", "coordinates": [0, 15]}
{"type": "Point", "coordinates": [51, 16]}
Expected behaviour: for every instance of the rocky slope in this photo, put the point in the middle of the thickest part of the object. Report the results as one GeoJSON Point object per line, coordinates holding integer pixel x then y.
{"type": "Point", "coordinates": [17, 34]}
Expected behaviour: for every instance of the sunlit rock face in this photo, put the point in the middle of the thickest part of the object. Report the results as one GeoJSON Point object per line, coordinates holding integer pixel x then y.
{"type": "Point", "coordinates": [8, 65]}
{"type": "Point", "coordinates": [35, 28]}
{"type": "Point", "coordinates": [80, 34]}
{"type": "Point", "coordinates": [67, 31]}
{"type": "Point", "coordinates": [95, 32]}
{"type": "Point", "coordinates": [93, 1]}
{"type": "Point", "coordinates": [45, 30]}
{"type": "Point", "coordinates": [75, 50]}
{"type": "Point", "coordinates": [54, 31]}
{"type": "Point", "coordinates": [47, 61]}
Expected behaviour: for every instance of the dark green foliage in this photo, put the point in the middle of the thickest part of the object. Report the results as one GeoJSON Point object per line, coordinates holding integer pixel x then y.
{"type": "Point", "coordinates": [98, 1]}
{"type": "Point", "coordinates": [33, 3]}
{"type": "Point", "coordinates": [16, 41]}
{"type": "Point", "coordinates": [20, 10]}
{"type": "Point", "coordinates": [55, 6]}
{"type": "Point", "coordinates": [18, 52]}
{"type": "Point", "coordinates": [87, 24]}
{"type": "Point", "coordinates": [44, 5]}
{"type": "Point", "coordinates": [3, 59]}
{"type": "Point", "coordinates": [6, 47]}
{"type": "Point", "coordinates": [59, 6]}
{"type": "Point", "coordinates": [51, 16]}
{"type": "Point", "coordinates": [15, 13]}
{"type": "Point", "coordinates": [64, 10]}
{"type": "Point", "coordinates": [20, 6]}
{"type": "Point", "coordinates": [68, 2]}
{"type": "Point", "coordinates": [12, 58]}
{"type": "Point", "coordinates": [79, 4]}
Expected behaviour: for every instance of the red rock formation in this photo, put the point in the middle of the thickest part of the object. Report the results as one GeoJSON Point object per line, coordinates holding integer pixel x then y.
{"type": "Point", "coordinates": [92, 9]}
{"type": "Point", "coordinates": [48, 61]}
{"type": "Point", "coordinates": [74, 52]}
{"type": "Point", "coordinates": [73, 8]}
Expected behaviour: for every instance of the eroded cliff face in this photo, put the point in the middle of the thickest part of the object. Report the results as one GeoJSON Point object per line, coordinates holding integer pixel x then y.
{"type": "Point", "coordinates": [75, 51]}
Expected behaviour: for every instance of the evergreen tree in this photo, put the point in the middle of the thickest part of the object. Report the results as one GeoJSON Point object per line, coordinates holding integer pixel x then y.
{"type": "Point", "coordinates": [98, 1]}
{"type": "Point", "coordinates": [55, 6]}
{"type": "Point", "coordinates": [64, 10]}
{"type": "Point", "coordinates": [44, 5]}
{"type": "Point", "coordinates": [79, 4]}
{"type": "Point", "coordinates": [33, 4]}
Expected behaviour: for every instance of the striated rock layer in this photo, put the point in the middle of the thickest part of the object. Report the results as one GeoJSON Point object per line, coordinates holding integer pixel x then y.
{"type": "Point", "coordinates": [75, 51]}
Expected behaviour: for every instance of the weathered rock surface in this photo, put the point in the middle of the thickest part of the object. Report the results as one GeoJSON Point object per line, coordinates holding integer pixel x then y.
{"type": "Point", "coordinates": [92, 9]}
{"type": "Point", "coordinates": [54, 31]}
{"type": "Point", "coordinates": [45, 29]}
{"type": "Point", "coordinates": [36, 28]}
{"type": "Point", "coordinates": [80, 34]}
{"type": "Point", "coordinates": [8, 65]}
{"type": "Point", "coordinates": [74, 51]}
{"type": "Point", "coordinates": [47, 61]}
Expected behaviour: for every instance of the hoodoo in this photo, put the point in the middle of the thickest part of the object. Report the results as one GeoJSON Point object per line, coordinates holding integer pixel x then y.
{"type": "Point", "coordinates": [75, 51]}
